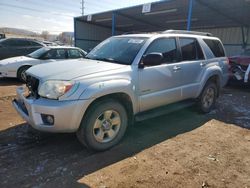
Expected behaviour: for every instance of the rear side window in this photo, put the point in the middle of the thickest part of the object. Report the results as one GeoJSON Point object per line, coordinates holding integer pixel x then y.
{"type": "Point", "coordinates": [190, 49]}
{"type": "Point", "coordinates": [166, 46]}
{"type": "Point", "coordinates": [72, 54]}
{"type": "Point", "coordinates": [216, 47]}
{"type": "Point", "coordinates": [56, 54]}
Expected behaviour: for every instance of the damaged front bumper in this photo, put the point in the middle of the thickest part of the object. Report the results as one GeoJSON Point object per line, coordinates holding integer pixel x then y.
{"type": "Point", "coordinates": [67, 115]}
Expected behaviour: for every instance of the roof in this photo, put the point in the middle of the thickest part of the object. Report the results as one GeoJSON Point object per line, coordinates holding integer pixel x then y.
{"type": "Point", "coordinates": [60, 47]}
{"type": "Point", "coordinates": [172, 14]}
{"type": "Point", "coordinates": [162, 34]}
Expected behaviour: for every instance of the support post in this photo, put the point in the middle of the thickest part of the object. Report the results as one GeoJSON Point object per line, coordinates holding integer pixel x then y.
{"type": "Point", "coordinates": [244, 33]}
{"type": "Point", "coordinates": [74, 31]}
{"type": "Point", "coordinates": [190, 9]}
{"type": "Point", "coordinates": [113, 23]}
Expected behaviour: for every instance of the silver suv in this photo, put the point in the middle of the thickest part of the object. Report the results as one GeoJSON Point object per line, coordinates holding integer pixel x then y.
{"type": "Point", "coordinates": [124, 78]}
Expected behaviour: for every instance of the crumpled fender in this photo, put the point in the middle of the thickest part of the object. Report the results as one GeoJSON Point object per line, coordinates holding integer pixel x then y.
{"type": "Point", "coordinates": [103, 88]}
{"type": "Point", "coordinates": [210, 72]}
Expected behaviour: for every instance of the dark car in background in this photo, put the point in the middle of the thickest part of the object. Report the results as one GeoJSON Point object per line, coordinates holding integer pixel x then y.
{"type": "Point", "coordinates": [240, 67]}
{"type": "Point", "coordinates": [11, 47]}
{"type": "Point", "coordinates": [2, 36]}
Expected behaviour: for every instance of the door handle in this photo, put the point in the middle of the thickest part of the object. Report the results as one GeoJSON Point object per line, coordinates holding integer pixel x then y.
{"type": "Point", "coordinates": [203, 64]}
{"type": "Point", "coordinates": [176, 68]}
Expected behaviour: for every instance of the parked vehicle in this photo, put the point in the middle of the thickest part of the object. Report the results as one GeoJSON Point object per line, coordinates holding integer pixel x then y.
{"type": "Point", "coordinates": [124, 78]}
{"type": "Point", "coordinates": [17, 66]}
{"type": "Point", "coordinates": [48, 43]}
{"type": "Point", "coordinates": [2, 36]}
{"type": "Point", "coordinates": [240, 67]}
{"type": "Point", "coordinates": [11, 47]}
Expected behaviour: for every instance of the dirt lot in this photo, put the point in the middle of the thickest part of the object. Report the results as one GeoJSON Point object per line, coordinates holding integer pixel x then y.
{"type": "Point", "coordinates": [182, 149]}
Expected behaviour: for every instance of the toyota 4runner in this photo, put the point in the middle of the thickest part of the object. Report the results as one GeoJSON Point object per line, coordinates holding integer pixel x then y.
{"type": "Point", "coordinates": [124, 78]}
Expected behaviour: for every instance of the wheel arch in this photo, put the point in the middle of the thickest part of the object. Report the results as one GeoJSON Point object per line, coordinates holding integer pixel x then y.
{"type": "Point", "coordinates": [121, 97]}
{"type": "Point", "coordinates": [213, 76]}
{"type": "Point", "coordinates": [24, 65]}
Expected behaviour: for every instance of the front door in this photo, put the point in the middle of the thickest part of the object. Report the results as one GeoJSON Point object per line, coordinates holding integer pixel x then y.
{"type": "Point", "coordinates": [160, 85]}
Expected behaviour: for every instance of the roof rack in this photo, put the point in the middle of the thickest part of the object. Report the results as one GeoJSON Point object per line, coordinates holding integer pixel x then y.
{"type": "Point", "coordinates": [187, 32]}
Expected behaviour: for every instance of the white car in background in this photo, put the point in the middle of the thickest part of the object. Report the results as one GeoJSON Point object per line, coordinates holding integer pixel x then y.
{"type": "Point", "coordinates": [15, 67]}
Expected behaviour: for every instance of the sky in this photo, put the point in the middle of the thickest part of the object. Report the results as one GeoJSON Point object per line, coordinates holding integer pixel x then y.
{"type": "Point", "coordinates": [54, 16]}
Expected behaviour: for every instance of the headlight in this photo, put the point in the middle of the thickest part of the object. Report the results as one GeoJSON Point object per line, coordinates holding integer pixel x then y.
{"type": "Point", "coordinates": [54, 89]}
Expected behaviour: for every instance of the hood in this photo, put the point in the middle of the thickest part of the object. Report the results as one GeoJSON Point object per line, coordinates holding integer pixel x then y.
{"type": "Point", "coordinates": [71, 69]}
{"type": "Point", "coordinates": [15, 60]}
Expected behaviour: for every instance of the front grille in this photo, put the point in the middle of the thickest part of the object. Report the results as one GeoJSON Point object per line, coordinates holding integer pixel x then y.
{"type": "Point", "coordinates": [32, 84]}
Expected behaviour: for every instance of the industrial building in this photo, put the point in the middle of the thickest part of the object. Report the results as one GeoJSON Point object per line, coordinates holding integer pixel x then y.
{"type": "Point", "coordinates": [227, 19]}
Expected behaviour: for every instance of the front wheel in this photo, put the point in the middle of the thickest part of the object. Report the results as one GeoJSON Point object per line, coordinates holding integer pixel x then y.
{"type": "Point", "coordinates": [21, 75]}
{"type": "Point", "coordinates": [208, 97]}
{"type": "Point", "coordinates": [103, 126]}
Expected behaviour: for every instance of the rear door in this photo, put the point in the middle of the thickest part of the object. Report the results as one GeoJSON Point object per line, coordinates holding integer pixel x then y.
{"type": "Point", "coordinates": [160, 85]}
{"type": "Point", "coordinates": [192, 65]}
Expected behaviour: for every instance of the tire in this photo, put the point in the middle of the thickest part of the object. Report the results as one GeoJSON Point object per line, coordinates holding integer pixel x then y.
{"type": "Point", "coordinates": [21, 73]}
{"type": "Point", "coordinates": [208, 96]}
{"type": "Point", "coordinates": [103, 126]}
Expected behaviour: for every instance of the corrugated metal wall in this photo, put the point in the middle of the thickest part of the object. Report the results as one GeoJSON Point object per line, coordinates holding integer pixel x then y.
{"type": "Point", "coordinates": [231, 38]}
{"type": "Point", "coordinates": [88, 35]}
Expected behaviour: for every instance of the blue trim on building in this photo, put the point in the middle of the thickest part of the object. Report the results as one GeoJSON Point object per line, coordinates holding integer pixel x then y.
{"type": "Point", "coordinates": [113, 23]}
{"type": "Point", "coordinates": [74, 31]}
{"type": "Point", "coordinates": [190, 10]}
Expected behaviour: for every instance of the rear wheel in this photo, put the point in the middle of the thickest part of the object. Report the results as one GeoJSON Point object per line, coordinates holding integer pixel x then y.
{"type": "Point", "coordinates": [21, 75]}
{"type": "Point", "coordinates": [208, 97]}
{"type": "Point", "coordinates": [103, 126]}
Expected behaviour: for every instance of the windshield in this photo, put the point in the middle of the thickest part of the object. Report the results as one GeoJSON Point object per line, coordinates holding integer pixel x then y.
{"type": "Point", "coordinates": [120, 50]}
{"type": "Point", "coordinates": [38, 53]}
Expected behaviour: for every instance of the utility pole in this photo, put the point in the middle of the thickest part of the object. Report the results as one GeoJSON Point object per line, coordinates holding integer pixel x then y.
{"type": "Point", "coordinates": [82, 7]}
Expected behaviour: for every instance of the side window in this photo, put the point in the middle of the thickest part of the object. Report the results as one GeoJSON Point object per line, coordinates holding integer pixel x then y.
{"type": "Point", "coordinates": [20, 42]}
{"type": "Point", "coordinates": [9, 43]}
{"type": "Point", "coordinates": [72, 54]}
{"type": "Point", "coordinates": [166, 46]}
{"type": "Point", "coordinates": [216, 47]}
{"type": "Point", "coordinates": [190, 49]}
{"type": "Point", "coordinates": [55, 54]}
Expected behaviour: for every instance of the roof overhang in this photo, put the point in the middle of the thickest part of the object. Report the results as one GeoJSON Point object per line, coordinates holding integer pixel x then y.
{"type": "Point", "coordinates": [173, 14]}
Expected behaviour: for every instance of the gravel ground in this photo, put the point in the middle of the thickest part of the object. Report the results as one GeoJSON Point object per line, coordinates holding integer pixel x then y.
{"type": "Point", "coordinates": [181, 149]}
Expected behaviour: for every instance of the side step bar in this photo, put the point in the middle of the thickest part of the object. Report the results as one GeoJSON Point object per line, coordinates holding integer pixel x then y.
{"type": "Point", "coordinates": [163, 110]}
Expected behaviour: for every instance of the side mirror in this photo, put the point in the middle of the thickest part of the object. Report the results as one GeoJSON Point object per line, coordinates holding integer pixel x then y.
{"type": "Point", "coordinates": [151, 59]}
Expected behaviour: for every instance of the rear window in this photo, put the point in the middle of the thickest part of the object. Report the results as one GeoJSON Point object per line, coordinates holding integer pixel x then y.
{"type": "Point", "coordinates": [20, 42]}
{"type": "Point", "coordinates": [216, 47]}
{"type": "Point", "coordinates": [33, 43]}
